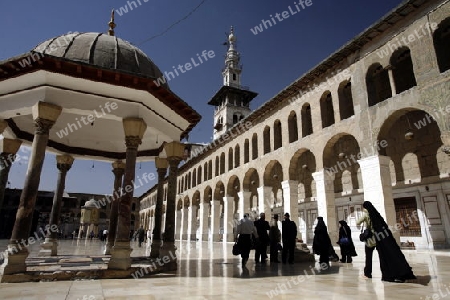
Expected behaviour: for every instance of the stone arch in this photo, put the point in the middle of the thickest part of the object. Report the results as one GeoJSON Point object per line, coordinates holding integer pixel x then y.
{"type": "Point", "coordinates": [219, 191]}
{"type": "Point", "coordinates": [441, 41]}
{"type": "Point", "coordinates": [307, 127]}
{"type": "Point", "coordinates": [342, 153]}
{"type": "Point", "coordinates": [378, 84]}
{"type": "Point", "coordinates": [233, 188]}
{"type": "Point", "coordinates": [273, 176]}
{"type": "Point", "coordinates": [292, 127]}
{"type": "Point", "coordinates": [180, 204]}
{"type": "Point", "coordinates": [346, 108]}
{"type": "Point", "coordinates": [301, 168]}
{"type": "Point", "coordinates": [186, 202]}
{"type": "Point", "coordinates": [277, 135]}
{"type": "Point", "coordinates": [207, 194]}
{"type": "Point", "coordinates": [251, 183]}
{"type": "Point", "coordinates": [196, 198]}
{"type": "Point", "coordinates": [418, 133]}
{"type": "Point", "coordinates": [326, 109]}
{"type": "Point", "coordinates": [403, 70]}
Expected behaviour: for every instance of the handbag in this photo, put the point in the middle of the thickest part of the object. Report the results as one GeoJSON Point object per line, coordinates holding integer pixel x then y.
{"type": "Point", "coordinates": [343, 241]}
{"type": "Point", "coordinates": [365, 234]}
{"type": "Point", "coordinates": [236, 249]}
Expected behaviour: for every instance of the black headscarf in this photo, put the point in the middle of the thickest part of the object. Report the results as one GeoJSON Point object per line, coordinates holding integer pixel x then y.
{"type": "Point", "coordinates": [320, 226]}
{"type": "Point", "coordinates": [378, 223]}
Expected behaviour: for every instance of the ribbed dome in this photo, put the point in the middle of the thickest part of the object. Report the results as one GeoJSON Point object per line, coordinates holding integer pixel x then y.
{"type": "Point", "coordinates": [101, 50]}
{"type": "Point", "coordinates": [91, 203]}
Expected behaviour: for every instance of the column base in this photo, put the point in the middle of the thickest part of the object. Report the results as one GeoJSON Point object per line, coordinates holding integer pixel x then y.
{"type": "Point", "coordinates": [204, 237]}
{"type": "Point", "coordinates": [120, 256]}
{"type": "Point", "coordinates": [155, 248]}
{"type": "Point", "coordinates": [15, 260]}
{"type": "Point", "coordinates": [108, 247]}
{"type": "Point", "coordinates": [216, 237]}
{"type": "Point", "coordinates": [49, 247]}
{"type": "Point", "coordinates": [168, 256]}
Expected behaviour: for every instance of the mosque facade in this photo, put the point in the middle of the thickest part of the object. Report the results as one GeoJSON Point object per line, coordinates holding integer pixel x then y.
{"type": "Point", "coordinates": [370, 122]}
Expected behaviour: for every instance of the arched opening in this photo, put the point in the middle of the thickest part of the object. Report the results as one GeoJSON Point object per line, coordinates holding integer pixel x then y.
{"type": "Point", "coordinates": [301, 168]}
{"type": "Point", "coordinates": [237, 156]}
{"type": "Point", "coordinates": [246, 151]}
{"type": "Point", "coordinates": [199, 175]}
{"type": "Point", "coordinates": [441, 41]}
{"type": "Point", "coordinates": [346, 109]}
{"type": "Point", "coordinates": [205, 171]}
{"type": "Point", "coordinates": [210, 169]}
{"type": "Point", "coordinates": [277, 135]}
{"type": "Point", "coordinates": [254, 146]}
{"type": "Point", "coordinates": [402, 69]}
{"type": "Point", "coordinates": [326, 109]}
{"type": "Point", "coordinates": [222, 163]}
{"type": "Point", "coordinates": [378, 85]}
{"type": "Point", "coordinates": [307, 127]}
{"type": "Point", "coordinates": [292, 127]}
{"type": "Point", "coordinates": [217, 167]}
{"type": "Point", "coordinates": [230, 159]}
{"type": "Point", "coordinates": [273, 176]}
{"type": "Point", "coordinates": [194, 178]}
{"type": "Point", "coordinates": [266, 139]}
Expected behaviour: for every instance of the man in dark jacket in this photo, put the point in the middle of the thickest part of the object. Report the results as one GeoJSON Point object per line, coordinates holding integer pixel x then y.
{"type": "Point", "coordinates": [262, 226]}
{"type": "Point", "coordinates": [289, 237]}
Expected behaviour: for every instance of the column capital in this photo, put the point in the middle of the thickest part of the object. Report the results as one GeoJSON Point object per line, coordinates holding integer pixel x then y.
{"type": "Point", "coordinates": [43, 126]}
{"type": "Point", "coordinates": [118, 164]}
{"type": "Point", "coordinates": [374, 160]}
{"type": "Point", "coordinates": [64, 162]}
{"type": "Point", "coordinates": [324, 174]}
{"type": "Point", "coordinates": [46, 111]}
{"type": "Point", "coordinates": [228, 199]}
{"type": "Point", "coordinates": [10, 146]}
{"type": "Point", "coordinates": [132, 142]}
{"type": "Point", "coordinates": [161, 163]}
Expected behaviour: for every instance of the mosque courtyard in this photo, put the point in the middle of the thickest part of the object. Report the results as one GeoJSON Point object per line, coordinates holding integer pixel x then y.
{"type": "Point", "coordinates": [210, 271]}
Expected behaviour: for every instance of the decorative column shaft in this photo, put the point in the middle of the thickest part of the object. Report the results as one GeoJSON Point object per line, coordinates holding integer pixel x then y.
{"type": "Point", "coordinates": [8, 150]}
{"type": "Point", "coordinates": [290, 197]}
{"type": "Point", "coordinates": [376, 177]}
{"type": "Point", "coordinates": [192, 228]}
{"type": "Point", "coordinates": [326, 207]}
{"type": "Point", "coordinates": [391, 79]}
{"type": "Point", "coordinates": [184, 233]}
{"type": "Point", "coordinates": [244, 203]}
{"type": "Point", "coordinates": [215, 220]}
{"type": "Point", "coordinates": [168, 248]}
{"type": "Point", "coordinates": [264, 199]}
{"type": "Point", "coordinates": [228, 223]}
{"type": "Point", "coordinates": [161, 167]}
{"type": "Point", "coordinates": [50, 246]}
{"type": "Point", "coordinates": [120, 253]}
{"type": "Point", "coordinates": [204, 218]}
{"type": "Point", "coordinates": [118, 170]}
{"type": "Point", "coordinates": [44, 116]}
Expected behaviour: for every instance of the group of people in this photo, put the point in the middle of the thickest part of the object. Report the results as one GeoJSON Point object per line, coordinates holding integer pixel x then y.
{"type": "Point", "coordinates": [259, 234]}
{"type": "Point", "coordinates": [393, 264]}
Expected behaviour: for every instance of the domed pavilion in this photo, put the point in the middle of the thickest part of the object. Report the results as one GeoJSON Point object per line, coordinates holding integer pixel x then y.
{"type": "Point", "coordinates": [88, 96]}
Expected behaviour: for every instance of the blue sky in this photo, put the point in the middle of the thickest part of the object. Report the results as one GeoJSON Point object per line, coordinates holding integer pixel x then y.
{"type": "Point", "coordinates": [271, 60]}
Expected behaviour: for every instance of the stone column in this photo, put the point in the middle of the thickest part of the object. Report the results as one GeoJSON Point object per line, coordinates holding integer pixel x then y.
{"type": "Point", "coordinates": [178, 224]}
{"type": "Point", "coordinates": [290, 197]}
{"type": "Point", "coordinates": [215, 220]}
{"type": "Point", "coordinates": [228, 220]}
{"type": "Point", "coordinates": [44, 116]}
{"type": "Point", "coordinates": [8, 150]}
{"type": "Point", "coordinates": [326, 207]}
{"type": "Point", "coordinates": [192, 228]}
{"type": "Point", "coordinates": [174, 152]}
{"type": "Point", "coordinates": [120, 253]}
{"type": "Point", "coordinates": [377, 184]}
{"type": "Point", "coordinates": [118, 170]}
{"type": "Point", "coordinates": [445, 137]}
{"type": "Point", "coordinates": [264, 199]}
{"type": "Point", "coordinates": [204, 216]}
{"type": "Point", "coordinates": [161, 167]}
{"type": "Point", "coordinates": [391, 80]}
{"type": "Point", "coordinates": [50, 246]}
{"type": "Point", "coordinates": [244, 203]}
{"type": "Point", "coordinates": [185, 233]}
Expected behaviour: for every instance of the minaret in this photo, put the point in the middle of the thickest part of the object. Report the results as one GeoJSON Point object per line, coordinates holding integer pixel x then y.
{"type": "Point", "coordinates": [232, 101]}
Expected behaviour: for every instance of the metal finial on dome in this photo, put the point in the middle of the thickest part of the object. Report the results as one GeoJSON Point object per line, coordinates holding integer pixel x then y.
{"type": "Point", "coordinates": [111, 24]}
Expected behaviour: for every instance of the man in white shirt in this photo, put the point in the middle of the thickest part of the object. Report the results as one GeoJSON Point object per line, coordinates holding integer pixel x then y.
{"type": "Point", "coordinates": [245, 230]}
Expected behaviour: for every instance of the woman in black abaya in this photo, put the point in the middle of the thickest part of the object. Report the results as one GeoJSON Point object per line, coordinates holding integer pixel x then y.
{"type": "Point", "coordinates": [322, 244]}
{"type": "Point", "coordinates": [393, 264]}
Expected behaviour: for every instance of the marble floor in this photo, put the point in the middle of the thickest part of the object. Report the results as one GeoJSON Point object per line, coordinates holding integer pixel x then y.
{"type": "Point", "coordinates": [210, 271]}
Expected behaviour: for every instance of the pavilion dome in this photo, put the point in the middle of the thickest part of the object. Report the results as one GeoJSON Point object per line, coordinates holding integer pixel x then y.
{"type": "Point", "coordinates": [101, 50]}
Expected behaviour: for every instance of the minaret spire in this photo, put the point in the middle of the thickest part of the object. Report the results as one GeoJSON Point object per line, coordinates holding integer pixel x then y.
{"type": "Point", "coordinates": [232, 71]}
{"type": "Point", "coordinates": [111, 24]}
